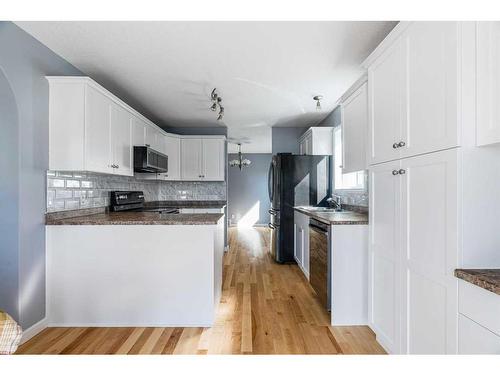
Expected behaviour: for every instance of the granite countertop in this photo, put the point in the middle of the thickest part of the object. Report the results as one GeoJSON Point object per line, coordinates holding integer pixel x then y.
{"type": "Point", "coordinates": [336, 218]}
{"type": "Point", "coordinates": [137, 218]}
{"type": "Point", "coordinates": [488, 279]}
{"type": "Point", "coordinates": [184, 203]}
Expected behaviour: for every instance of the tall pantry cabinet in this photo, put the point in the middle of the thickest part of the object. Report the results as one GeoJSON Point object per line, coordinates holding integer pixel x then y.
{"type": "Point", "coordinates": [432, 189]}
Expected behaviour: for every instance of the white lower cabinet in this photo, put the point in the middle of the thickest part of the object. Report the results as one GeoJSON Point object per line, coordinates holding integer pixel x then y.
{"type": "Point", "coordinates": [476, 339]}
{"type": "Point", "coordinates": [479, 325]}
{"type": "Point", "coordinates": [301, 242]}
{"type": "Point", "coordinates": [414, 252]}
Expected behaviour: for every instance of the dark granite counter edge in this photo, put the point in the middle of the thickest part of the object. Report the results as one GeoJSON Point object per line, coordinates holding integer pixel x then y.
{"type": "Point", "coordinates": [481, 278]}
{"type": "Point", "coordinates": [175, 219]}
{"type": "Point", "coordinates": [331, 222]}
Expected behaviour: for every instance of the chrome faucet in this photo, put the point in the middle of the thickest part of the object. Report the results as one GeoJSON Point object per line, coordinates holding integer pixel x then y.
{"type": "Point", "coordinates": [335, 202]}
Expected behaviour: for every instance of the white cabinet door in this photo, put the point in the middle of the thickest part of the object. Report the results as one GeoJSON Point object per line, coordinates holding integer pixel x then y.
{"type": "Point", "coordinates": [475, 339]}
{"type": "Point", "coordinates": [298, 243]}
{"type": "Point", "coordinates": [138, 132]}
{"type": "Point", "coordinates": [384, 256]}
{"type": "Point", "coordinates": [431, 70]}
{"type": "Point", "coordinates": [429, 253]}
{"type": "Point", "coordinates": [154, 138]}
{"type": "Point", "coordinates": [213, 166]}
{"type": "Point", "coordinates": [386, 101]}
{"type": "Point", "coordinates": [354, 127]}
{"type": "Point", "coordinates": [488, 83]}
{"type": "Point", "coordinates": [121, 140]}
{"type": "Point", "coordinates": [97, 132]}
{"type": "Point", "coordinates": [173, 151]}
{"type": "Point", "coordinates": [191, 154]}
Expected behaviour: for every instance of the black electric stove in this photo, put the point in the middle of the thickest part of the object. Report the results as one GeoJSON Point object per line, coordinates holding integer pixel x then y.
{"type": "Point", "coordinates": [134, 201]}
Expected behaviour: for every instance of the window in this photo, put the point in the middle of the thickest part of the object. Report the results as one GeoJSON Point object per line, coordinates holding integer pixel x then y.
{"type": "Point", "coordinates": [344, 181]}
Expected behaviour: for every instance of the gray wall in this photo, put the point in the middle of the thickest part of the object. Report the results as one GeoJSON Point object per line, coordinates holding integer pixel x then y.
{"type": "Point", "coordinates": [24, 63]}
{"type": "Point", "coordinates": [286, 139]}
{"type": "Point", "coordinates": [9, 195]}
{"type": "Point", "coordinates": [247, 187]}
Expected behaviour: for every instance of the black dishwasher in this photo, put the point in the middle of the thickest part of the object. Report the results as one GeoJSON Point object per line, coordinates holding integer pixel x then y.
{"type": "Point", "coordinates": [319, 261]}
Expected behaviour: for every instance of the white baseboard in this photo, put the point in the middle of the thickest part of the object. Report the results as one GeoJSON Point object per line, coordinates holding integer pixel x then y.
{"type": "Point", "coordinates": [34, 330]}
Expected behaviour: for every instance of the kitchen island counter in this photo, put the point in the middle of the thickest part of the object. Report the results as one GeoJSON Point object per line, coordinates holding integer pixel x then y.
{"type": "Point", "coordinates": [137, 218]}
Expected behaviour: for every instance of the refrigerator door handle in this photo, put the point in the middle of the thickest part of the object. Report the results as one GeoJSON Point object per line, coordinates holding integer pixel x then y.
{"type": "Point", "coordinates": [270, 182]}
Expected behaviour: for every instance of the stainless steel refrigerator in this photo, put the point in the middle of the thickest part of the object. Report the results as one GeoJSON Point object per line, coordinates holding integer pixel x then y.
{"type": "Point", "coordinates": [294, 180]}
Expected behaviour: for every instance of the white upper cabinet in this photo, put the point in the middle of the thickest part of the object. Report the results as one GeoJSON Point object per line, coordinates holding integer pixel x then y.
{"type": "Point", "coordinates": [173, 151]}
{"type": "Point", "coordinates": [385, 78]}
{"type": "Point", "coordinates": [155, 139]}
{"type": "Point", "coordinates": [121, 136]}
{"type": "Point", "coordinates": [488, 83]}
{"type": "Point", "coordinates": [203, 159]}
{"type": "Point", "coordinates": [191, 153]}
{"type": "Point", "coordinates": [316, 141]}
{"type": "Point", "coordinates": [213, 159]}
{"type": "Point", "coordinates": [138, 132]}
{"type": "Point", "coordinates": [413, 92]}
{"type": "Point", "coordinates": [354, 127]}
{"type": "Point", "coordinates": [92, 130]}
{"type": "Point", "coordinates": [431, 76]}
{"type": "Point", "coordinates": [98, 151]}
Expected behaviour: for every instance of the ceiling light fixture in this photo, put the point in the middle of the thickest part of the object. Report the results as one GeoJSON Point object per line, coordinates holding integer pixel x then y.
{"type": "Point", "coordinates": [216, 103]}
{"type": "Point", "coordinates": [318, 103]}
{"type": "Point", "coordinates": [240, 162]}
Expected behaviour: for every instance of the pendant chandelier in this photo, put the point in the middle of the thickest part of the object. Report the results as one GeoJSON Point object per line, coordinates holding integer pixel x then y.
{"type": "Point", "coordinates": [240, 162]}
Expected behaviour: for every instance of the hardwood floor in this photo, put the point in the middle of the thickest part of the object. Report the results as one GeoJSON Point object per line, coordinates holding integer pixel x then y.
{"type": "Point", "coordinates": [266, 308]}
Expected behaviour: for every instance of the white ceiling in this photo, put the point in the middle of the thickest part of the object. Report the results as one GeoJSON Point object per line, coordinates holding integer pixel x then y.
{"type": "Point", "coordinates": [266, 72]}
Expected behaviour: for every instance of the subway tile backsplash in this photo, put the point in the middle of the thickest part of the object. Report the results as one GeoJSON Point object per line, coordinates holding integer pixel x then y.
{"type": "Point", "coordinates": [75, 190]}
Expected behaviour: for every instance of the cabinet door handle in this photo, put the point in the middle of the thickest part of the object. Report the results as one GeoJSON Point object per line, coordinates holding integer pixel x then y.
{"type": "Point", "coordinates": [401, 144]}
{"type": "Point", "coordinates": [401, 171]}
{"type": "Point", "coordinates": [395, 145]}
{"type": "Point", "coordinates": [395, 172]}
{"type": "Point", "coordinates": [117, 166]}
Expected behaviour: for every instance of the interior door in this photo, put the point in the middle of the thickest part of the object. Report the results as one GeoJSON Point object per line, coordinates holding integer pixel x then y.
{"type": "Point", "coordinates": [98, 152]}
{"type": "Point", "coordinates": [430, 253]}
{"type": "Point", "coordinates": [384, 254]}
{"type": "Point", "coordinates": [386, 105]}
{"type": "Point", "coordinates": [213, 160]}
{"type": "Point", "coordinates": [121, 139]}
{"type": "Point", "coordinates": [431, 71]}
{"type": "Point", "coordinates": [191, 154]}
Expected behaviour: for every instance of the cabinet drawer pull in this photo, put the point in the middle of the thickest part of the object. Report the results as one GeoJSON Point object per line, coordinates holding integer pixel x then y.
{"type": "Point", "coordinates": [401, 144]}
{"type": "Point", "coordinates": [395, 145]}
{"type": "Point", "coordinates": [401, 171]}
{"type": "Point", "coordinates": [395, 172]}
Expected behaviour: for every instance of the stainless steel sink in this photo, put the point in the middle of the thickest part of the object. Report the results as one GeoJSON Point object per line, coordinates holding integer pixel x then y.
{"type": "Point", "coordinates": [325, 209]}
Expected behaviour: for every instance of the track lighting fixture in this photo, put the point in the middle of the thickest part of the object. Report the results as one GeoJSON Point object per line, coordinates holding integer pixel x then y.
{"type": "Point", "coordinates": [216, 103]}
{"type": "Point", "coordinates": [318, 103]}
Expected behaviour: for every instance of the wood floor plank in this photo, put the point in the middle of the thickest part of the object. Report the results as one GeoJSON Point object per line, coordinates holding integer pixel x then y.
{"type": "Point", "coordinates": [265, 308]}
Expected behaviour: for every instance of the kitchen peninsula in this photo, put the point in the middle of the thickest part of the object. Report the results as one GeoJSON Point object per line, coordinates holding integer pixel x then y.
{"type": "Point", "coordinates": [134, 269]}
